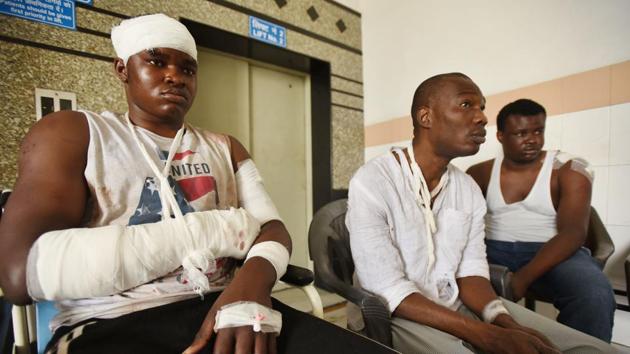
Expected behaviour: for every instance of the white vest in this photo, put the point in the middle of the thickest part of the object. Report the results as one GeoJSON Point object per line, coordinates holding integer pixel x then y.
{"type": "Point", "coordinates": [123, 191]}
{"type": "Point", "coordinates": [531, 220]}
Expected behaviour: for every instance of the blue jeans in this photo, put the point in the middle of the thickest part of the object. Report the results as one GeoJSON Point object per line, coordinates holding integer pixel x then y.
{"type": "Point", "coordinates": [576, 286]}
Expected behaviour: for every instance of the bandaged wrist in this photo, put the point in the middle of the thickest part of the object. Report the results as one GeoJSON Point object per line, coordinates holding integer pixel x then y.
{"type": "Point", "coordinates": [252, 194]}
{"type": "Point", "coordinates": [248, 313]}
{"type": "Point", "coordinates": [493, 309]}
{"type": "Point", "coordinates": [274, 252]}
{"type": "Point", "coordinates": [101, 261]}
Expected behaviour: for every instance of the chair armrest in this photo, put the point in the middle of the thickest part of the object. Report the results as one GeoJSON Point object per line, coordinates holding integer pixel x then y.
{"type": "Point", "coordinates": [377, 319]}
{"type": "Point", "coordinates": [627, 266]}
{"type": "Point", "coordinates": [501, 279]}
{"type": "Point", "coordinates": [297, 276]}
{"type": "Point", "coordinates": [376, 316]}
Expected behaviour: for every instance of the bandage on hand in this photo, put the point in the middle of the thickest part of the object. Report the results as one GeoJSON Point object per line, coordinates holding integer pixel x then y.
{"type": "Point", "coordinates": [248, 313]}
{"type": "Point", "coordinates": [493, 309]}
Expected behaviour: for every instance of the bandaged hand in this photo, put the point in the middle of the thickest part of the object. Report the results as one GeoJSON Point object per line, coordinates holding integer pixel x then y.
{"type": "Point", "coordinates": [248, 313]}
{"type": "Point", "coordinates": [253, 283]}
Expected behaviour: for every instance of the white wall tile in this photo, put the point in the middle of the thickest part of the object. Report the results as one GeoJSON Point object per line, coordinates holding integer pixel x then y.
{"type": "Point", "coordinates": [620, 134]}
{"type": "Point", "coordinates": [618, 195]}
{"type": "Point", "coordinates": [553, 132]}
{"type": "Point", "coordinates": [586, 134]}
{"type": "Point", "coordinates": [600, 192]}
{"type": "Point", "coordinates": [621, 330]}
{"type": "Point", "coordinates": [615, 266]}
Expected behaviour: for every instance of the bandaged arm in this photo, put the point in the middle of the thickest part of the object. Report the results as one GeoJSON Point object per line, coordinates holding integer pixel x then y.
{"type": "Point", "coordinates": [254, 198]}
{"type": "Point", "coordinates": [90, 262]}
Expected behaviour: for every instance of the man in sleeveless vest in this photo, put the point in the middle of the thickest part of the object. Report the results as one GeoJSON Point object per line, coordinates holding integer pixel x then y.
{"type": "Point", "coordinates": [416, 227]}
{"type": "Point", "coordinates": [538, 212]}
{"type": "Point", "coordinates": [132, 223]}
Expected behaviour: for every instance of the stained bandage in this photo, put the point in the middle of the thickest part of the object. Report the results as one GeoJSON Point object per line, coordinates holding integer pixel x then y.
{"type": "Point", "coordinates": [151, 31]}
{"type": "Point", "coordinates": [252, 194]}
{"type": "Point", "coordinates": [578, 164]}
{"type": "Point", "coordinates": [92, 262]}
{"type": "Point", "coordinates": [274, 252]}
{"type": "Point", "coordinates": [248, 313]}
{"type": "Point", "coordinates": [493, 309]}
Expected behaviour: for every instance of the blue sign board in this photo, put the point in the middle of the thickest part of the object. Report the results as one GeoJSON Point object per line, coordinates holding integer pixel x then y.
{"type": "Point", "coordinates": [53, 12]}
{"type": "Point", "coordinates": [267, 32]}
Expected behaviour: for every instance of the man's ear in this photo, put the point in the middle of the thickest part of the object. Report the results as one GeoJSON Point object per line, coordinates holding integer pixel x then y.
{"type": "Point", "coordinates": [121, 70]}
{"type": "Point", "coordinates": [425, 118]}
{"type": "Point", "coordinates": [500, 136]}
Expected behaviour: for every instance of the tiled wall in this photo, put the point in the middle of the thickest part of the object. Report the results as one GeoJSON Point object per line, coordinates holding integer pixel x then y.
{"type": "Point", "coordinates": [37, 55]}
{"type": "Point", "coordinates": [595, 126]}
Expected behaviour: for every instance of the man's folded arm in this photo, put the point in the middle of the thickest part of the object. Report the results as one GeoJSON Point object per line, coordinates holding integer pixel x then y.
{"type": "Point", "coordinates": [572, 223]}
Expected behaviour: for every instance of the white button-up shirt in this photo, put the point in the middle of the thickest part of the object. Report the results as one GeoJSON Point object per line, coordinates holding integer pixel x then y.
{"type": "Point", "coordinates": [389, 241]}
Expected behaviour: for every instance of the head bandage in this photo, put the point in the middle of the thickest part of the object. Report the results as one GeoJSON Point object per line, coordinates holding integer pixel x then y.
{"type": "Point", "coordinates": [151, 31]}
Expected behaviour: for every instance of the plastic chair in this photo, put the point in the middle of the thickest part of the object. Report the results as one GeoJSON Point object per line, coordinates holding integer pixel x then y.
{"type": "Point", "coordinates": [598, 241]}
{"type": "Point", "coordinates": [329, 246]}
{"type": "Point", "coordinates": [330, 252]}
{"type": "Point", "coordinates": [30, 323]}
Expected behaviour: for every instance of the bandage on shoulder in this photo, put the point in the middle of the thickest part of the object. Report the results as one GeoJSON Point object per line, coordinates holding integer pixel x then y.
{"type": "Point", "coordinates": [577, 164]}
{"type": "Point", "coordinates": [91, 262]}
{"type": "Point", "coordinates": [252, 194]}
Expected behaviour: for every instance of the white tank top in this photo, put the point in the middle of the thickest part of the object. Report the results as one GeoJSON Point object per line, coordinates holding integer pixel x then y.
{"type": "Point", "coordinates": [531, 220]}
{"type": "Point", "coordinates": [123, 191]}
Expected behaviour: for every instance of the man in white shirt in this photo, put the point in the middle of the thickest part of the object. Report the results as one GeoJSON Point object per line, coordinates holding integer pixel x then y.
{"type": "Point", "coordinates": [417, 236]}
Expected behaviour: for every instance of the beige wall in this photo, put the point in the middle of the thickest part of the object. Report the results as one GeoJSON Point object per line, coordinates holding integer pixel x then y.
{"type": "Point", "coordinates": [501, 45]}
{"type": "Point", "coordinates": [37, 55]}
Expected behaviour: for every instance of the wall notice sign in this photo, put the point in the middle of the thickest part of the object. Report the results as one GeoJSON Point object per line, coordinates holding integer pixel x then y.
{"type": "Point", "coordinates": [53, 12]}
{"type": "Point", "coordinates": [267, 32]}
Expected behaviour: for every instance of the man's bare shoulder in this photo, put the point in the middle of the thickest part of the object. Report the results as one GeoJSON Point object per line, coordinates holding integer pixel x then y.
{"type": "Point", "coordinates": [480, 171]}
{"type": "Point", "coordinates": [59, 139]}
{"type": "Point", "coordinates": [570, 176]}
{"type": "Point", "coordinates": [573, 169]}
{"type": "Point", "coordinates": [65, 125]}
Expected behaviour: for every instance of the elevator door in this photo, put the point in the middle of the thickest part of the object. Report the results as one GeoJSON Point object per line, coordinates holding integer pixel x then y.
{"type": "Point", "coordinates": [266, 109]}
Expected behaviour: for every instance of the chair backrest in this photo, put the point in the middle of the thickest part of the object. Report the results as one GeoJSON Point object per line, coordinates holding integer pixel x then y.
{"type": "Point", "coordinates": [598, 239]}
{"type": "Point", "coordinates": [329, 246]}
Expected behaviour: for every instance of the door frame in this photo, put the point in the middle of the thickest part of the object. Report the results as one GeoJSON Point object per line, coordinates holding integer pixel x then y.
{"type": "Point", "coordinates": [320, 94]}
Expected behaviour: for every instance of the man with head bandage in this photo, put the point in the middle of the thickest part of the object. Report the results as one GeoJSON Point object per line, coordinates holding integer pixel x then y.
{"type": "Point", "coordinates": [133, 222]}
